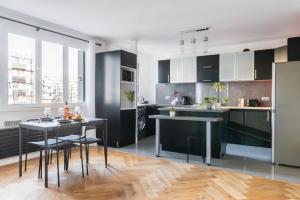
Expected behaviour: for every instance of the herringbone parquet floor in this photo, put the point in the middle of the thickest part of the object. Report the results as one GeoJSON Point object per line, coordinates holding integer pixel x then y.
{"type": "Point", "coordinates": [135, 177]}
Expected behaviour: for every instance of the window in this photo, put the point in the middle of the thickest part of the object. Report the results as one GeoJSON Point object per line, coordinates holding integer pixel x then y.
{"type": "Point", "coordinates": [75, 63]}
{"type": "Point", "coordinates": [52, 73]}
{"type": "Point", "coordinates": [21, 69]}
{"type": "Point", "coordinates": [42, 72]}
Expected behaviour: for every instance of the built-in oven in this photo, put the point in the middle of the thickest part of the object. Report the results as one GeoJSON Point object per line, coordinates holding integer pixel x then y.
{"type": "Point", "coordinates": [127, 74]}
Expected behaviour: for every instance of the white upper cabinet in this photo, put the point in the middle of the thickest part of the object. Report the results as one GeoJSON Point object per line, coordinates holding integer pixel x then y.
{"type": "Point", "coordinates": [176, 71]}
{"type": "Point", "coordinates": [189, 66]}
{"type": "Point", "coordinates": [227, 67]}
{"type": "Point", "coordinates": [183, 70]}
{"type": "Point", "coordinates": [237, 66]}
{"type": "Point", "coordinates": [245, 66]}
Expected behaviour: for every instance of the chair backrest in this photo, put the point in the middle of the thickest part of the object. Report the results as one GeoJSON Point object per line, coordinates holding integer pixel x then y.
{"type": "Point", "coordinates": [94, 125]}
{"type": "Point", "coordinates": [69, 129]}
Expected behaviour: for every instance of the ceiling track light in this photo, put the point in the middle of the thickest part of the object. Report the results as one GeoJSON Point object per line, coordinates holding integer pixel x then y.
{"type": "Point", "coordinates": [193, 39]}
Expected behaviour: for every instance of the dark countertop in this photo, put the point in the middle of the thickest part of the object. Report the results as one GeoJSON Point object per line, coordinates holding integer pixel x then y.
{"type": "Point", "coordinates": [193, 109]}
{"type": "Point", "coordinates": [201, 109]}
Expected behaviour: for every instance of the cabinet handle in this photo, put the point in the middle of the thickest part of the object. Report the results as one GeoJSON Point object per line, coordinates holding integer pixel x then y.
{"type": "Point", "coordinates": [268, 116]}
{"type": "Point", "coordinates": [206, 80]}
{"type": "Point", "coordinates": [168, 78]}
{"type": "Point", "coordinates": [254, 73]}
{"type": "Point", "coordinates": [206, 67]}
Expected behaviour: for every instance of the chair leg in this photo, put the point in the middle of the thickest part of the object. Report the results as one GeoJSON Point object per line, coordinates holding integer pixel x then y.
{"type": "Point", "coordinates": [57, 166]}
{"type": "Point", "coordinates": [68, 158]}
{"type": "Point", "coordinates": [40, 164]}
{"type": "Point", "coordinates": [51, 156]}
{"type": "Point", "coordinates": [203, 151]}
{"type": "Point", "coordinates": [70, 153]}
{"type": "Point", "coordinates": [81, 160]}
{"type": "Point", "coordinates": [87, 158]}
{"type": "Point", "coordinates": [188, 150]}
{"type": "Point", "coordinates": [25, 166]}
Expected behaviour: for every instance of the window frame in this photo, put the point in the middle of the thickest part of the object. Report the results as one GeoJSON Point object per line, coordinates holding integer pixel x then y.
{"type": "Point", "coordinates": [66, 43]}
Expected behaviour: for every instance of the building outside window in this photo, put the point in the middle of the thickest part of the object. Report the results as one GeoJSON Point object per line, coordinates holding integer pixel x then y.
{"type": "Point", "coordinates": [52, 73]}
{"type": "Point", "coordinates": [21, 69]}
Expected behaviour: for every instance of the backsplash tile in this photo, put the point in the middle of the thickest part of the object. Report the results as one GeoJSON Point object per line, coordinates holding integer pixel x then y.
{"type": "Point", "coordinates": [183, 89]}
{"type": "Point", "coordinates": [250, 90]}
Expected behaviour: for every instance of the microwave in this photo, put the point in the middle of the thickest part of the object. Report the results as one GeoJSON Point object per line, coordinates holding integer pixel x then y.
{"type": "Point", "coordinates": [127, 75]}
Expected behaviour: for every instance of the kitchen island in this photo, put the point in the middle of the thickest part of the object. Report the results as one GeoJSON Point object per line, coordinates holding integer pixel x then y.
{"type": "Point", "coordinates": [174, 133]}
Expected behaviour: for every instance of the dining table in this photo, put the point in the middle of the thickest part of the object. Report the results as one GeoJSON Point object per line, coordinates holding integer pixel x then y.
{"type": "Point", "coordinates": [48, 126]}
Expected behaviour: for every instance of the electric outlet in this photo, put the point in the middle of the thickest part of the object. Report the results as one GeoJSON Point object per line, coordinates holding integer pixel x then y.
{"type": "Point", "coordinates": [265, 98]}
{"type": "Point", "coordinates": [167, 97]}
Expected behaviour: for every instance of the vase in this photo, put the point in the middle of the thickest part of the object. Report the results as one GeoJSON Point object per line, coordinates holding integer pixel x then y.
{"type": "Point", "coordinates": [172, 113]}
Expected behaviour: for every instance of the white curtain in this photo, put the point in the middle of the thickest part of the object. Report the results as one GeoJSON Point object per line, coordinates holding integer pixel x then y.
{"type": "Point", "coordinates": [90, 79]}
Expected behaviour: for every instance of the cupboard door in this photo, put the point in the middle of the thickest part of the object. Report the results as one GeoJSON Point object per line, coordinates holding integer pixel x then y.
{"type": "Point", "coordinates": [245, 66]}
{"type": "Point", "coordinates": [208, 62]}
{"type": "Point", "coordinates": [164, 71]}
{"type": "Point", "coordinates": [263, 60]}
{"type": "Point", "coordinates": [176, 71]}
{"type": "Point", "coordinates": [189, 70]}
{"type": "Point", "coordinates": [207, 75]}
{"type": "Point", "coordinates": [227, 67]}
{"type": "Point", "coordinates": [258, 128]}
{"type": "Point", "coordinates": [128, 59]}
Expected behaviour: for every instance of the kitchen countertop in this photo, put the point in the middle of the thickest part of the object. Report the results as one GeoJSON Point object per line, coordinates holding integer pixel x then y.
{"type": "Point", "coordinates": [191, 107]}
{"type": "Point", "coordinates": [194, 109]}
{"type": "Point", "coordinates": [247, 108]}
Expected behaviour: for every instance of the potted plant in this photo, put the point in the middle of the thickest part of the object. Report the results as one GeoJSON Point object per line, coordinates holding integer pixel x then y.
{"type": "Point", "coordinates": [219, 88]}
{"type": "Point", "coordinates": [225, 101]}
{"type": "Point", "coordinates": [130, 96]}
{"type": "Point", "coordinates": [208, 102]}
{"type": "Point", "coordinates": [172, 112]}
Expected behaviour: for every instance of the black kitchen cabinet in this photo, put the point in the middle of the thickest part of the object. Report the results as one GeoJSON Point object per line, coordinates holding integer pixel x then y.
{"type": "Point", "coordinates": [208, 68]}
{"type": "Point", "coordinates": [127, 127]}
{"type": "Point", "coordinates": [108, 98]}
{"type": "Point", "coordinates": [294, 49]}
{"type": "Point", "coordinates": [128, 59]}
{"type": "Point", "coordinates": [263, 60]}
{"type": "Point", "coordinates": [164, 71]}
{"type": "Point", "coordinates": [249, 127]}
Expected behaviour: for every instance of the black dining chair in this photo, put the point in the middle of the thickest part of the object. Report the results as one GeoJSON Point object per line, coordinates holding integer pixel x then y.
{"type": "Point", "coordinates": [86, 140]}
{"type": "Point", "coordinates": [191, 138]}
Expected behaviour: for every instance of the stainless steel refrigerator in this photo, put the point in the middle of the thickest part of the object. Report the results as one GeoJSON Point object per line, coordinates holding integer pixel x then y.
{"type": "Point", "coordinates": [286, 113]}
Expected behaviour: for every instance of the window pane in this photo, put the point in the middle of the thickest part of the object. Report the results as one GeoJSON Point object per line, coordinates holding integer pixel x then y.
{"type": "Point", "coordinates": [21, 69]}
{"type": "Point", "coordinates": [52, 73]}
{"type": "Point", "coordinates": [75, 61]}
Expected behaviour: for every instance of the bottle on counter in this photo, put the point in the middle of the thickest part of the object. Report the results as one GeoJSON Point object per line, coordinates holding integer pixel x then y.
{"type": "Point", "coordinates": [66, 111]}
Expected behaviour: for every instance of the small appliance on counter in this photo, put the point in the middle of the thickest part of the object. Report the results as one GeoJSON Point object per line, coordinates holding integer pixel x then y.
{"type": "Point", "coordinates": [185, 100]}
{"type": "Point", "coordinates": [252, 103]}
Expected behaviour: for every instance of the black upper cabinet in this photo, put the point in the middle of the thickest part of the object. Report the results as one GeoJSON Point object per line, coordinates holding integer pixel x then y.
{"type": "Point", "coordinates": [164, 71]}
{"type": "Point", "coordinates": [263, 60]}
{"type": "Point", "coordinates": [294, 49]}
{"type": "Point", "coordinates": [208, 62]}
{"type": "Point", "coordinates": [128, 59]}
{"type": "Point", "coordinates": [208, 68]}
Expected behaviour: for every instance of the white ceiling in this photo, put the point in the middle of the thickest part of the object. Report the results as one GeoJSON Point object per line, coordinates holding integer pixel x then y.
{"type": "Point", "coordinates": [156, 23]}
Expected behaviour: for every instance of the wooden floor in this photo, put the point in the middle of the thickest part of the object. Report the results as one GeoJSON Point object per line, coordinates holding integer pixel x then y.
{"type": "Point", "coordinates": [135, 177]}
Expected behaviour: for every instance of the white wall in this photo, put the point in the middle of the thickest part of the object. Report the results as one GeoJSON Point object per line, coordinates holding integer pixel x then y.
{"type": "Point", "coordinates": [148, 76]}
